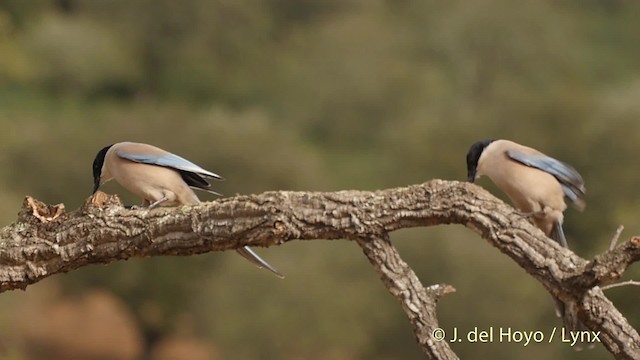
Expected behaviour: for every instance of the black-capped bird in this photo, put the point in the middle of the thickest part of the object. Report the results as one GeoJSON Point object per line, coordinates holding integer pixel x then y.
{"type": "Point", "coordinates": [537, 184]}
{"type": "Point", "coordinates": [160, 178]}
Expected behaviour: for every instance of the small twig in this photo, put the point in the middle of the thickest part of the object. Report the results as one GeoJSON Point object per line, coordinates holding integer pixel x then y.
{"type": "Point", "coordinates": [616, 237]}
{"type": "Point", "coordinates": [623, 283]}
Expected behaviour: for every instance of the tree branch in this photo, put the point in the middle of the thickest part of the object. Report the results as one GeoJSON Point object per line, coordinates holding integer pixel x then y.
{"type": "Point", "coordinates": [45, 240]}
{"type": "Point", "coordinates": [417, 302]}
{"type": "Point", "coordinates": [620, 284]}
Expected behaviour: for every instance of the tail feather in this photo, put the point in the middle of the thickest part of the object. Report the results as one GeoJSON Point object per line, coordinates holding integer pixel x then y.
{"type": "Point", "coordinates": [569, 316]}
{"type": "Point", "coordinates": [558, 235]}
{"type": "Point", "coordinates": [207, 190]}
{"type": "Point", "coordinates": [568, 312]}
{"type": "Point", "coordinates": [250, 255]}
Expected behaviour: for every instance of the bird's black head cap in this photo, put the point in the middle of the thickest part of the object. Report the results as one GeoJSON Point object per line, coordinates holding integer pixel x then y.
{"type": "Point", "coordinates": [97, 167]}
{"type": "Point", "coordinates": [473, 156]}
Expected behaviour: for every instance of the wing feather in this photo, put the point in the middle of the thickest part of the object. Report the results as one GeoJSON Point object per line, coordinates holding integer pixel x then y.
{"type": "Point", "coordinates": [168, 160]}
{"type": "Point", "coordinates": [570, 180]}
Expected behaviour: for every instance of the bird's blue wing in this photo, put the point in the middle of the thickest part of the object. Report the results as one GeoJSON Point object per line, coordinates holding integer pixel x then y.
{"type": "Point", "coordinates": [168, 160]}
{"type": "Point", "coordinates": [570, 180]}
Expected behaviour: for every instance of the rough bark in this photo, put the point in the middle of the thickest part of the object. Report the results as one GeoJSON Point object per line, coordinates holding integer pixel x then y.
{"type": "Point", "coordinates": [46, 240]}
{"type": "Point", "coordinates": [418, 302]}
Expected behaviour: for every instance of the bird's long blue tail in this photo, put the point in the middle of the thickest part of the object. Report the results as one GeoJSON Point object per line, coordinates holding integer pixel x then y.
{"type": "Point", "coordinates": [250, 255]}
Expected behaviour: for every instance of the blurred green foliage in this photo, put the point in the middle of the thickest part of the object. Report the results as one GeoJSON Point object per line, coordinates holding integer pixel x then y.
{"type": "Point", "coordinates": [324, 95]}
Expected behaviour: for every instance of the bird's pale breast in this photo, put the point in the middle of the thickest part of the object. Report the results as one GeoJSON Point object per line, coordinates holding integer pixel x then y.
{"type": "Point", "coordinates": [151, 182]}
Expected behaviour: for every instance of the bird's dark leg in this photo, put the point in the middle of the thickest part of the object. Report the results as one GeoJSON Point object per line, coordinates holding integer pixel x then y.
{"type": "Point", "coordinates": [158, 202]}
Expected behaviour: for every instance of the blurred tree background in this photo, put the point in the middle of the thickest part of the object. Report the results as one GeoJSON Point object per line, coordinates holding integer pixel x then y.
{"type": "Point", "coordinates": [309, 95]}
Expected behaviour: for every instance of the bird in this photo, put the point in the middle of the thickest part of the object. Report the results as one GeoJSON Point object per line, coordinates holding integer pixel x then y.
{"type": "Point", "coordinates": [537, 184]}
{"type": "Point", "coordinates": [160, 178]}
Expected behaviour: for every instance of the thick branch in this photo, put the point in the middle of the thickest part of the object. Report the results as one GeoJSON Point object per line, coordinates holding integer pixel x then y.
{"type": "Point", "coordinates": [45, 240]}
{"type": "Point", "coordinates": [417, 302]}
